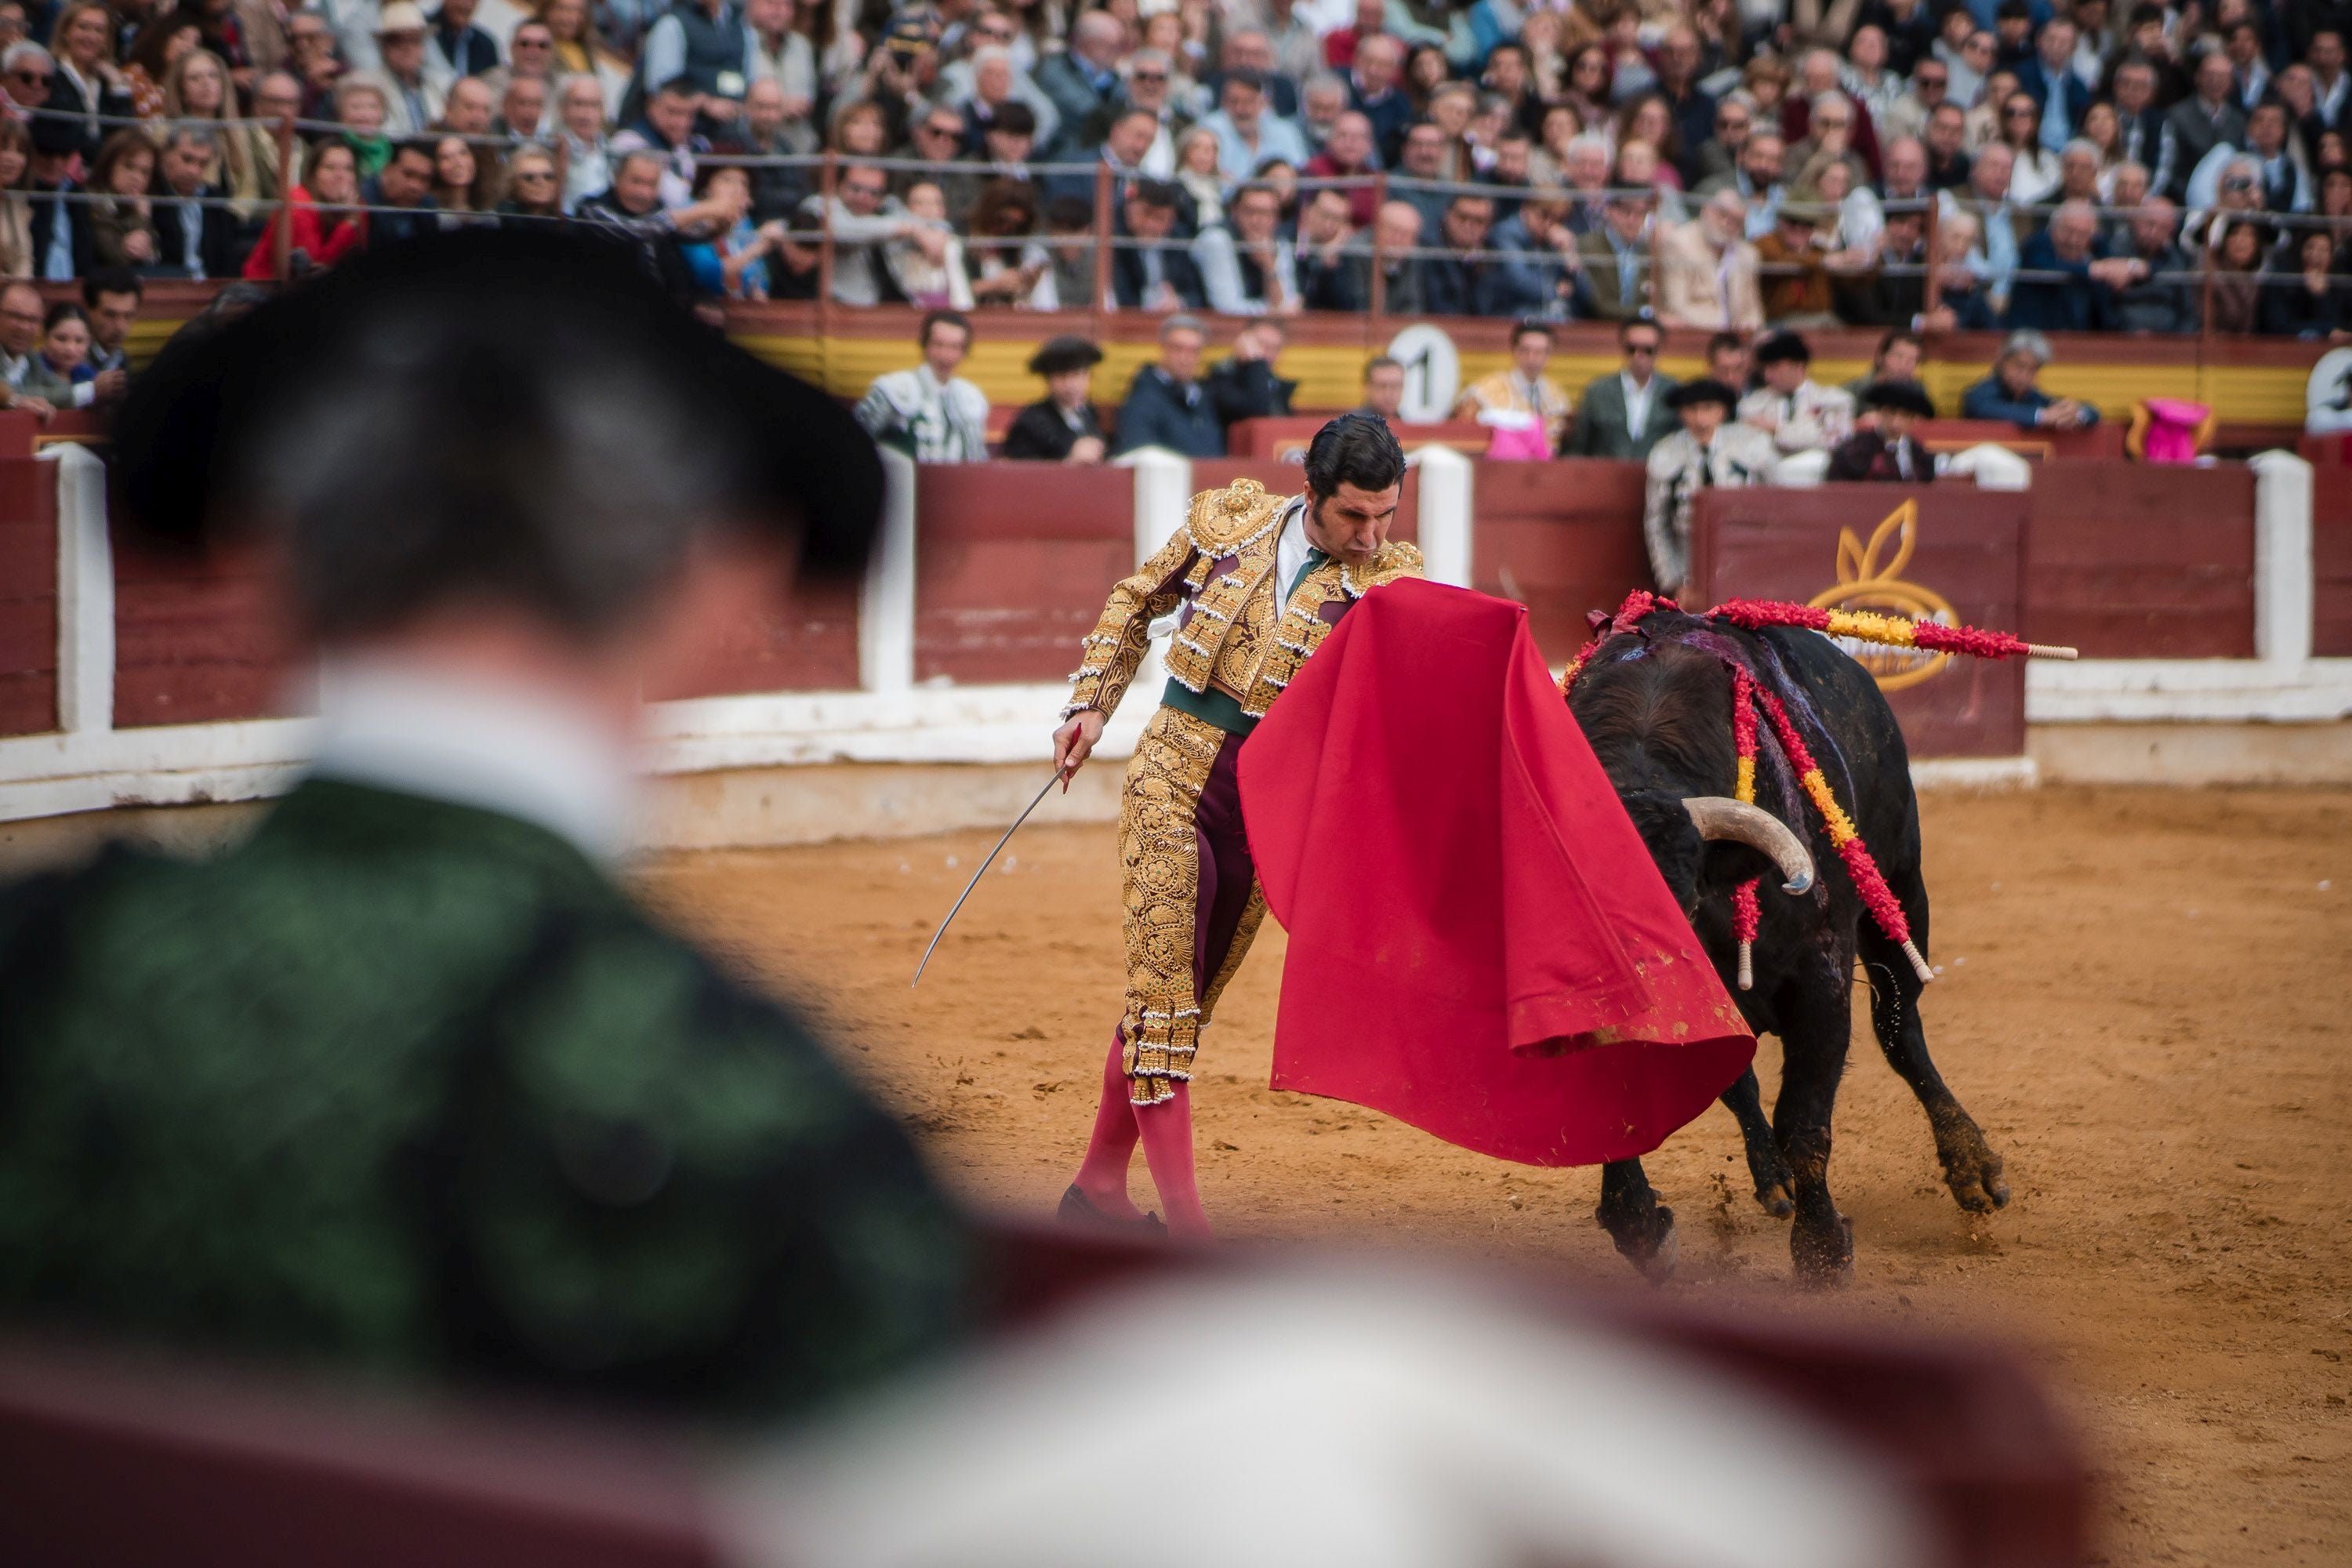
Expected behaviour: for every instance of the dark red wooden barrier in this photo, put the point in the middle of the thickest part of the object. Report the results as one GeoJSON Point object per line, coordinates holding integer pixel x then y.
{"type": "Point", "coordinates": [1012, 563]}
{"type": "Point", "coordinates": [29, 596]}
{"type": "Point", "coordinates": [807, 644]}
{"type": "Point", "coordinates": [2125, 561]}
{"type": "Point", "coordinates": [1839, 544]}
{"type": "Point", "coordinates": [195, 642]}
{"type": "Point", "coordinates": [2104, 439]}
{"type": "Point", "coordinates": [1561, 538]}
{"type": "Point", "coordinates": [2331, 562]}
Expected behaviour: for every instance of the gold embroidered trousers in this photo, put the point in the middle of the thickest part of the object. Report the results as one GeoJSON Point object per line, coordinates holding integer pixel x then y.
{"type": "Point", "coordinates": [1192, 903]}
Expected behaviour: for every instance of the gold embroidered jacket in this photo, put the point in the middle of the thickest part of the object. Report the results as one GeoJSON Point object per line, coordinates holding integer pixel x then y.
{"type": "Point", "coordinates": [1236, 632]}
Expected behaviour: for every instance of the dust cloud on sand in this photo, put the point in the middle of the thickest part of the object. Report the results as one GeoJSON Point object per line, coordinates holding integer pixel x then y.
{"type": "Point", "coordinates": [2144, 1002]}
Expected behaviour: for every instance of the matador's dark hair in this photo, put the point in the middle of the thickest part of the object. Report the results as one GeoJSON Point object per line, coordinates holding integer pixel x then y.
{"type": "Point", "coordinates": [1357, 449]}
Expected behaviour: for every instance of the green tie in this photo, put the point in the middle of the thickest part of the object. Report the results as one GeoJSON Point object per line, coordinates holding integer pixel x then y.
{"type": "Point", "coordinates": [1314, 558]}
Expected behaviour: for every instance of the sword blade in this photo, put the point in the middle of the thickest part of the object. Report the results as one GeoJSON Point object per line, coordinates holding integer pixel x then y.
{"type": "Point", "coordinates": [976, 876]}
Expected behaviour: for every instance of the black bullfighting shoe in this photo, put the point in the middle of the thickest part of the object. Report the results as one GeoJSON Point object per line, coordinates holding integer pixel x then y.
{"type": "Point", "coordinates": [1078, 1210]}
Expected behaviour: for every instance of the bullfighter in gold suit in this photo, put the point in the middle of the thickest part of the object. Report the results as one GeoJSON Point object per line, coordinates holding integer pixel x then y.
{"type": "Point", "coordinates": [1259, 581]}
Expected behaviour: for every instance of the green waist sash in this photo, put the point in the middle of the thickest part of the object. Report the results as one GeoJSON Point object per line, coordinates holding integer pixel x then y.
{"type": "Point", "coordinates": [1214, 706]}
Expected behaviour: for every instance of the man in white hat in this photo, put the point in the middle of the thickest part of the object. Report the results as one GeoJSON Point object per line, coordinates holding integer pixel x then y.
{"type": "Point", "coordinates": [400, 40]}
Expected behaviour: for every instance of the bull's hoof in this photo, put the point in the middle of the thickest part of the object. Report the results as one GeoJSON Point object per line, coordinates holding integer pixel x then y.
{"type": "Point", "coordinates": [1648, 1242]}
{"type": "Point", "coordinates": [1824, 1254]}
{"type": "Point", "coordinates": [1775, 1196]}
{"type": "Point", "coordinates": [1973, 1172]}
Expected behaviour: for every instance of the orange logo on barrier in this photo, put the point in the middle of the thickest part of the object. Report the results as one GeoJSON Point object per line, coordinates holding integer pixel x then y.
{"type": "Point", "coordinates": [1865, 584]}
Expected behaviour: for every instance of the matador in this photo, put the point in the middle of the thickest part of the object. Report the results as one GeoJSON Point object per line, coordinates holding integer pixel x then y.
{"type": "Point", "coordinates": [1256, 581]}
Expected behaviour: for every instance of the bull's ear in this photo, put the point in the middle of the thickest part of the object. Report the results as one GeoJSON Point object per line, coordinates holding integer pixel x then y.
{"type": "Point", "coordinates": [1666, 830]}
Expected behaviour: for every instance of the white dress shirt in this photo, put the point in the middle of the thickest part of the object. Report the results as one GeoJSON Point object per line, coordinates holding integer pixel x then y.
{"type": "Point", "coordinates": [526, 753]}
{"type": "Point", "coordinates": [1637, 403]}
{"type": "Point", "coordinates": [1290, 549]}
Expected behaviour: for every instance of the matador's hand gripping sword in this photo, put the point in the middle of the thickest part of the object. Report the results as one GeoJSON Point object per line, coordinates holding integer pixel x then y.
{"type": "Point", "coordinates": [976, 876]}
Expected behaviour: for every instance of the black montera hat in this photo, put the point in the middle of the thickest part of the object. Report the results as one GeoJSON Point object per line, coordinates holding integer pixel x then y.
{"type": "Point", "coordinates": [486, 380]}
{"type": "Point", "coordinates": [1064, 352]}
{"type": "Point", "coordinates": [1907, 395]}
{"type": "Point", "coordinates": [1706, 389]}
{"type": "Point", "coordinates": [56, 135]}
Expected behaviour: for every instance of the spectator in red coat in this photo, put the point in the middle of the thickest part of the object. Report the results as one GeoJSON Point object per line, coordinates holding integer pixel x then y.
{"type": "Point", "coordinates": [1339, 45]}
{"type": "Point", "coordinates": [1349, 154]}
{"type": "Point", "coordinates": [324, 229]}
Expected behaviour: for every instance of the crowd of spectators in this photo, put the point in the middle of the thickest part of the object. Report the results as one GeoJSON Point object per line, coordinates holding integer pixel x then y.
{"type": "Point", "coordinates": [2124, 164]}
{"type": "Point", "coordinates": [1181, 403]}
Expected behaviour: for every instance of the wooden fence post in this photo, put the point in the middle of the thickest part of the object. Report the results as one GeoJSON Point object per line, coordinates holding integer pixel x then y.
{"type": "Point", "coordinates": [1102, 256]}
{"type": "Point", "coordinates": [281, 245]}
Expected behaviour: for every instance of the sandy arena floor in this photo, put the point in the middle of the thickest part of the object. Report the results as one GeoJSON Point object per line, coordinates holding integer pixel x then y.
{"type": "Point", "coordinates": [2143, 1005]}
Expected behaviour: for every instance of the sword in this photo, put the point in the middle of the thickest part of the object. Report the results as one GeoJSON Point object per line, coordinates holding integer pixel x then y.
{"type": "Point", "coordinates": [976, 876]}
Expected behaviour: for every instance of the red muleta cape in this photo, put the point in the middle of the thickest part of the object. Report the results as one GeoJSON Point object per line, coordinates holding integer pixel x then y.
{"type": "Point", "coordinates": [1479, 943]}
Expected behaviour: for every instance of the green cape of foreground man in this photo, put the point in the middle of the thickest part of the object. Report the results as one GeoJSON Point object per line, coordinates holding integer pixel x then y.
{"type": "Point", "coordinates": [405, 1083]}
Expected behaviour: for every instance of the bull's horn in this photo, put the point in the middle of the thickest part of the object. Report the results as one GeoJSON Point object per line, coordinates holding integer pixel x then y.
{"type": "Point", "coordinates": [1719, 816]}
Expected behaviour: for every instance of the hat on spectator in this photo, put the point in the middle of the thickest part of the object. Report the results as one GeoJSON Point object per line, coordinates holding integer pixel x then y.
{"type": "Point", "coordinates": [1782, 347]}
{"type": "Point", "coordinates": [1908, 396]}
{"type": "Point", "coordinates": [57, 134]}
{"type": "Point", "coordinates": [1064, 353]}
{"type": "Point", "coordinates": [520, 414]}
{"type": "Point", "coordinates": [1706, 389]}
{"type": "Point", "coordinates": [911, 33]}
{"type": "Point", "coordinates": [400, 16]}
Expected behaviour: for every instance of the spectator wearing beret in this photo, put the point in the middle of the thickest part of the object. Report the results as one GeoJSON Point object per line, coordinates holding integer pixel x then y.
{"type": "Point", "coordinates": [1799, 413]}
{"type": "Point", "coordinates": [1061, 426]}
{"type": "Point", "coordinates": [1888, 452]}
{"type": "Point", "coordinates": [1711, 450]}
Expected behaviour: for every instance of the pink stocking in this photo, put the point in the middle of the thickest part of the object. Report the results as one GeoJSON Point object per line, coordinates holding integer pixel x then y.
{"type": "Point", "coordinates": [1167, 1129]}
{"type": "Point", "coordinates": [1102, 1176]}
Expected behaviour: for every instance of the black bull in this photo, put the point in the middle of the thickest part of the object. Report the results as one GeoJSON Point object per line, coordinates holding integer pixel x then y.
{"type": "Point", "coordinates": [1656, 703]}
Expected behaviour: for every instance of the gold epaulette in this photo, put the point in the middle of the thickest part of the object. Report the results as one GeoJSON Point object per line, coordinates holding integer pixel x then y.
{"type": "Point", "coordinates": [1396, 559]}
{"type": "Point", "coordinates": [1223, 522]}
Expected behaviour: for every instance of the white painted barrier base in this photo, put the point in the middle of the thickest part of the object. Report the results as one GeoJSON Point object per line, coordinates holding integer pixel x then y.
{"type": "Point", "coordinates": [776, 804]}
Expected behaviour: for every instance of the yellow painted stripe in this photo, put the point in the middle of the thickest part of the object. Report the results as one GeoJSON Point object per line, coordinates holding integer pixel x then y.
{"type": "Point", "coordinates": [2250, 394]}
{"type": "Point", "coordinates": [1332, 376]}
